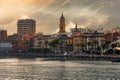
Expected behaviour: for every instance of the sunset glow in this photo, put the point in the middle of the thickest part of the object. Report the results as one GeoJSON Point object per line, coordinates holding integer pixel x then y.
{"type": "Point", "coordinates": [88, 13]}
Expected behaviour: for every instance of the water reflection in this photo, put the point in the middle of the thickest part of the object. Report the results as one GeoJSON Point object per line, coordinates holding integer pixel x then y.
{"type": "Point", "coordinates": [41, 68]}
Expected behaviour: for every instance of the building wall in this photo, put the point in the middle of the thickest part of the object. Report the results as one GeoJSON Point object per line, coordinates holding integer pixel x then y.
{"type": "Point", "coordinates": [3, 33]}
{"type": "Point", "coordinates": [6, 47]}
{"type": "Point", "coordinates": [18, 45]}
{"type": "Point", "coordinates": [77, 41]}
{"type": "Point", "coordinates": [42, 41]}
{"type": "Point", "coordinates": [27, 26]}
{"type": "Point", "coordinates": [93, 40]}
{"type": "Point", "coordinates": [112, 36]}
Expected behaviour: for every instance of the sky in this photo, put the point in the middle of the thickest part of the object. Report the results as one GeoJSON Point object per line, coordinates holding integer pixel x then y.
{"type": "Point", "coordinates": [88, 14]}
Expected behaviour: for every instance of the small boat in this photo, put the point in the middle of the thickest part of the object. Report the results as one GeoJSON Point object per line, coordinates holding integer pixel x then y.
{"type": "Point", "coordinates": [116, 60]}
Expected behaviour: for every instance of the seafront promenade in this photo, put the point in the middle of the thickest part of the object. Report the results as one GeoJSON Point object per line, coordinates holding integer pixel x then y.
{"type": "Point", "coordinates": [58, 55]}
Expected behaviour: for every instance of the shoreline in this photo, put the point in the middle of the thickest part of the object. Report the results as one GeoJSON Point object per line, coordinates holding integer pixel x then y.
{"type": "Point", "coordinates": [51, 55]}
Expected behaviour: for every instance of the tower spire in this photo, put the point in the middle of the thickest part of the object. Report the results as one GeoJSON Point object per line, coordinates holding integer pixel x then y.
{"type": "Point", "coordinates": [76, 26]}
{"type": "Point", "coordinates": [62, 25]}
{"type": "Point", "coordinates": [62, 14]}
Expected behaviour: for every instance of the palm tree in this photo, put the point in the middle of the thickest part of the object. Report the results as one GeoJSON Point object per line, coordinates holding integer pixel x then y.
{"type": "Point", "coordinates": [46, 44]}
{"type": "Point", "coordinates": [107, 43]}
{"type": "Point", "coordinates": [118, 44]}
{"type": "Point", "coordinates": [61, 45]}
{"type": "Point", "coordinates": [114, 45]}
{"type": "Point", "coordinates": [26, 43]}
{"type": "Point", "coordinates": [54, 44]}
{"type": "Point", "coordinates": [98, 48]}
{"type": "Point", "coordinates": [15, 45]}
{"type": "Point", "coordinates": [88, 44]}
{"type": "Point", "coordinates": [95, 42]}
{"type": "Point", "coordinates": [103, 46]}
{"type": "Point", "coordinates": [39, 44]}
{"type": "Point", "coordinates": [78, 47]}
{"type": "Point", "coordinates": [82, 45]}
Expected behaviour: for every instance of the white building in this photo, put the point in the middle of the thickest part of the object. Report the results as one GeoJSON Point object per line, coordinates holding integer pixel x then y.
{"type": "Point", "coordinates": [6, 46]}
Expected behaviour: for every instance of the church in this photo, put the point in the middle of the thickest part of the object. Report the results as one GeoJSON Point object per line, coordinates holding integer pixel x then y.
{"type": "Point", "coordinates": [62, 25]}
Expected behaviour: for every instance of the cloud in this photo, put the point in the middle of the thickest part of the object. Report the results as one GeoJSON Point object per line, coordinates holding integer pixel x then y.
{"type": "Point", "coordinates": [87, 13]}
{"type": "Point", "coordinates": [24, 17]}
{"type": "Point", "coordinates": [65, 2]}
{"type": "Point", "coordinates": [86, 16]}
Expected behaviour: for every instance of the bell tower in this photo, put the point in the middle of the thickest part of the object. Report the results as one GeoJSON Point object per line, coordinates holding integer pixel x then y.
{"type": "Point", "coordinates": [62, 25]}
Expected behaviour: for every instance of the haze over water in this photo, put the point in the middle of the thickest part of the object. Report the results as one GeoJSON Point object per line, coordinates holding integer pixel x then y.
{"type": "Point", "coordinates": [54, 69]}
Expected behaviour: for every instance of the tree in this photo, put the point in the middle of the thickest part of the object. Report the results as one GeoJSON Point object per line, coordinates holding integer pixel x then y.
{"type": "Point", "coordinates": [114, 45]}
{"type": "Point", "coordinates": [98, 48]}
{"type": "Point", "coordinates": [95, 43]}
{"type": "Point", "coordinates": [61, 44]}
{"type": "Point", "coordinates": [103, 46]}
{"type": "Point", "coordinates": [46, 44]}
{"type": "Point", "coordinates": [82, 45]}
{"type": "Point", "coordinates": [107, 43]}
{"type": "Point", "coordinates": [78, 47]}
{"type": "Point", "coordinates": [88, 44]}
{"type": "Point", "coordinates": [118, 44]}
{"type": "Point", "coordinates": [27, 44]}
{"type": "Point", "coordinates": [39, 44]}
{"type": "Point", "coordinates": [54, 44]}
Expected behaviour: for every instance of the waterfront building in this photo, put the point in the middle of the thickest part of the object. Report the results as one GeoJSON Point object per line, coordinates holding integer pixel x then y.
{"type": "Point", "coordinates": [6, 46]}
{"type": "Point", "coordinates": [77, 35]}
{"type": "Point", "coordinates": [93, 40]}
{"type": "Point", "coordinates": [77, 31]}
{"type": "Point", "coordinates": [43, 41]}
{"type": "Point", "coordinates": [62, 25]}
{"type": "Point", "coordinates": [26, 26]}
{"type": "Point", "coordinates": [65, 43]}
{"type": "Point", "coordinates": [78, 43]}
{"type": "Point", "coordinates": [17, 42]}
{"type": "Point", "coordinates": [112, 35]}
{"type": "Point", "coordinates": [3, 33]}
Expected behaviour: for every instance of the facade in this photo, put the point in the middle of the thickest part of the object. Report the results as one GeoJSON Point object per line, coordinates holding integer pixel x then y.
{"type": "Point", "coordinates": [62, 25]}
{"type": "Point", "coordinates": [17, 42]}
{"type": "Point", "coordinates": [112, 35]}
{"type": "Point", "coordinates": [3, 33]}
{"type": "Point", "coordinates": [77, 39]}
{"type": "Point", "coordinates": [76, 31]}
{"type": "Point", "coordinates": [93, 39]}
{"type": "Point", "coordinates": [66, 43]}
{"type": "Point", "coordinates": [6, 46]}
{"type": "Point", "coordinates": [43, 41]}
{"type": "Point", "coordinates": [26, 26]}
